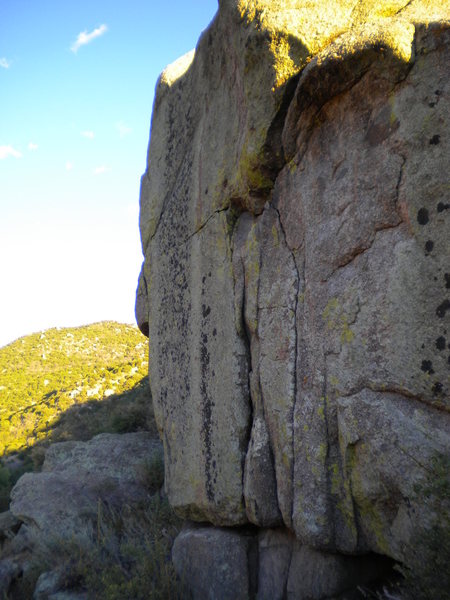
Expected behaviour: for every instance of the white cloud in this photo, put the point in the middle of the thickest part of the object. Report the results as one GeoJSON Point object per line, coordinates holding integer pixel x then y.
{"type": "Point", "coordinates": [6, 151]}
{"type": "Point", "coordinates": [88, 134]}
{"type": "Point", "coordinates": [123, 129]}
{"type": "Point", "coordinates": [32, 146]}
{"type": "Point", "coordinates": [85, 38]}
{"type": "Point", "coordinates": [69, 166]}
{"type": "Point", "coordinates": [101, 170]}
{"type": "Point", "coordinates": [5, 63]}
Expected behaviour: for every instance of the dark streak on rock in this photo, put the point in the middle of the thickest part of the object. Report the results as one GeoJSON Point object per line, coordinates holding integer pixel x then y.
{"type": "Point", "coordinates": [435, 140]}
{"type": "Point", "coordinates": [427, 367]}
{"type": "Point", "coordinates": [440, 343]}
{"type": "Point", "coordinates": [422, 216]}
{"type": "Point", "coordinates": [207, 407]}
{"type": "Point", "coordinates": [443, 308]}
{"type": "Point", "coordinates": [429, 245]}
{"type": "Point", "coordinates": [437, 388]}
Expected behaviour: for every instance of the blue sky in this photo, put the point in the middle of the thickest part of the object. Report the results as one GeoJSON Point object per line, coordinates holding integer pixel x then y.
{"type": "Point", "coordinates": [77, 81]}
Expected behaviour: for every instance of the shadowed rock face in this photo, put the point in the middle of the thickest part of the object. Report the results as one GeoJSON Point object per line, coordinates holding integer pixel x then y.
{"type": "Point", "coordinates": [294, 222]}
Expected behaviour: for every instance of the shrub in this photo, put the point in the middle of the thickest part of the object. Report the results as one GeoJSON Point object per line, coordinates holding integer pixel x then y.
{"type": "Point", "coordinates": [124, 555]}
{"type": "Point", "coordinates": [152, 473]}
{"type": "Point", "coordinates": [5, 487]}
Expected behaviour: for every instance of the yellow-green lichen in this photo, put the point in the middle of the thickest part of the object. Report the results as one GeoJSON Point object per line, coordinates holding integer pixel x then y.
{"type": "Point", "coordinates": [347, 334]}
{"type": "Point", "coordinates": [345, 507]}
{"type": "Point", "coordinates": [321, 410]}
{"type": "Point", "coordinates": [323, 451]}
{"type": "Point", "coordinates": [334, 381]}
{"type": "Point", "coordinates": [250, 175]}
{"type": "Point", "coordinates": [337, 319]}
{"type": "Point", "coordinates": [340, 487]}
{"type": "Point", "coordinates": [392, 117]}
{"type": "Point", "coordinates": [335, 478]}
{"type": "Point", "coordinates": [286, 460]}
{"type": "Point", "coordinates": [284, 65]}
{"type": "Point", "coordinates": [275, 236]}
{"type": "Point", "coordinates": [367, 508]}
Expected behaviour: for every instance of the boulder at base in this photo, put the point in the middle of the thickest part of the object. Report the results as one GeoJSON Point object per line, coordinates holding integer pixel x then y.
{"type": "Point", "coordinates": [77, 478]}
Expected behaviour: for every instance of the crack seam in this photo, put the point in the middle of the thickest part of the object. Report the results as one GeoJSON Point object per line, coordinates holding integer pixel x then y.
{"type": "Point", "coordinates": [294, 374]}
{"type": "Point", "coordinates": [397, 391]}
{"type": "Point", "coordinates": [203, 225]}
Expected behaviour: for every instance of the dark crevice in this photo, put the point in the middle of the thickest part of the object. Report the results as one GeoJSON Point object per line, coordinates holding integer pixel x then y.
{"type": "Point", "coordinates": [253, 566]}
{"type": "Point", "coordinates": [273, 152]}
{"type": "Point", "coordinates": [399, 179]}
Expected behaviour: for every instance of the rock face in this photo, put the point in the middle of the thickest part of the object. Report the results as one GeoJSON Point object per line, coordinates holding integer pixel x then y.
{"type": "Point", "coordinates": [76, 476]}
{"type": "Point", "coordinates": [295, 288]}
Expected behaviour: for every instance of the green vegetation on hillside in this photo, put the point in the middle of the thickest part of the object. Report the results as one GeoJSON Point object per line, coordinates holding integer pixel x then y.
{"type": "Point", "coordinates": [65, 384]}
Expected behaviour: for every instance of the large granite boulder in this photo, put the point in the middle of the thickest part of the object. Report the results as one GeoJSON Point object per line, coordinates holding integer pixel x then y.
{"type": "Point", "coordinates": [79, 478]}
{"type": "Point", "coordinates": [295, 289]}
{"type": "Point", "coordinates": [82, 488]}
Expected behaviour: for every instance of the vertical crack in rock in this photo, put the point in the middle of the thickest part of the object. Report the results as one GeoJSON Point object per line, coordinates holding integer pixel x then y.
{"type": "Point", "coordinates": [260, 488]}
{"type": "Point", "coordinates": [295, 353]}
{"type": "Point", "coordinates": [239, 297]}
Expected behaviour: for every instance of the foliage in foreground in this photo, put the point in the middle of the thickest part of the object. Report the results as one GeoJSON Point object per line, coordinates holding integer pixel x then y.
{"type": "Point", "coordinates": [123, 555]}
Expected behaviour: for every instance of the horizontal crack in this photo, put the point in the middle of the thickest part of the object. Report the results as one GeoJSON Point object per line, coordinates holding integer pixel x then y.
{"type": "Point", "coordinates": [395, 390]}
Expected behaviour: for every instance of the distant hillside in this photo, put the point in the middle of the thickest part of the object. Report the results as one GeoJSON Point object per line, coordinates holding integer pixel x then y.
{"type": "Point", "coordinates": [70, 384]}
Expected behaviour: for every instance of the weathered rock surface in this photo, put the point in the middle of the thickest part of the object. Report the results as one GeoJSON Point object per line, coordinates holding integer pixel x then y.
{"type": "Point", "coordinates": [49, 587]}
{"type": "Point", "coordinates": [295, 227]}
{"type": "Point", "coordinates": [8, 526]}
{"type": "Point", "coordinates": [215, 563]}
{"type": "Point", "coordinates": [9, 569]}
{"type": "Point", "coordinates": [222, 564]}
{"type": "Point", "coordinates": [76, 476]}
